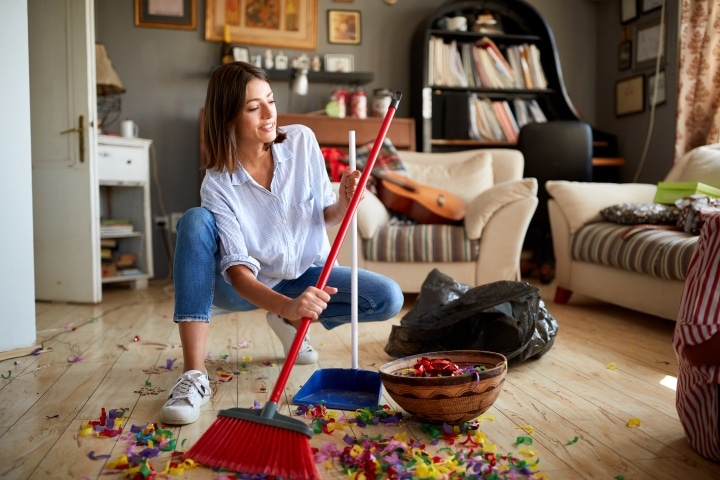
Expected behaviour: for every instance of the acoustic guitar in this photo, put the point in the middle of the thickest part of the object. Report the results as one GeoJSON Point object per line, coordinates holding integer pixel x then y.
{"type": "Point", "coordinates": [422, 203]}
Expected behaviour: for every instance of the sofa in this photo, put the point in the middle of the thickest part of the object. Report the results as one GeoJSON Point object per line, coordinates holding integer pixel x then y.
{"type": "Point", "coordinates": [635, 266]}
{"type": "Point", "coordinates": [485, 248]}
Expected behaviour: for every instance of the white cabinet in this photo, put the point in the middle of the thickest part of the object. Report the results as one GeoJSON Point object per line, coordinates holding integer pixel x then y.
{"type": "Point", "coordinates": [123, 166]}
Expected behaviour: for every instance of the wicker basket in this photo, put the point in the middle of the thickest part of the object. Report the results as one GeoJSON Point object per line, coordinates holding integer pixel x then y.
{"type": "Point", "coordinates": [453, 400]}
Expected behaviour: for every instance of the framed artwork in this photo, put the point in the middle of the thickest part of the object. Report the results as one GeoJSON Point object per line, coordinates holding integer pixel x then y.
{"type": "Point", "coordinates": [630, 95]}
{"type": "Point", "coordinates": [180, 14]}
{"type": "Point", "coordinates": [625, 55]}
{"type": "Point", "coordinates": [344, 27]}
{"type": "Point", "coordinates": [281, 23]}
{"type": "Point", "coordinates": [339, 62]}
{"type": "Point", "coordinates": [628, 10]}
{"type": "Point", "coordinates": [660, 98]}
{"type": "Point", "coordinates": [650, 5]}
{"type": "Point", "coordinates": [648, 42]}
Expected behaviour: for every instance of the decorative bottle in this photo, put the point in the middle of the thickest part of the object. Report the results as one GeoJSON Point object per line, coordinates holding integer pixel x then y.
{"type": "Point", "coordinates": [226, 55]}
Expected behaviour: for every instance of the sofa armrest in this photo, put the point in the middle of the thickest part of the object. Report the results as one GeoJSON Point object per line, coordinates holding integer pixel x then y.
{"type": "Point", "coordinates": [371, 214]}
{"type": "Point", "coordinates": [581, 202]}
{"type": "Point", "coordinates": [485, 205]}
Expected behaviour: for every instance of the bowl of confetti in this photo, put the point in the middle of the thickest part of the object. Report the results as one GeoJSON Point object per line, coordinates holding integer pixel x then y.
{"type": "Point", "coordinates": [445, 387]}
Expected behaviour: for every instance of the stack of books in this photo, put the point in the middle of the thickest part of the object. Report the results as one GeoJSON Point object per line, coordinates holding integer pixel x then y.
{"type": "Point", "coordinates": [111, 226]}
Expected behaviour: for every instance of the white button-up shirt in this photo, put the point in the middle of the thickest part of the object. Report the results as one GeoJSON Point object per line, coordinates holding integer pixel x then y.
{"type": "Point", "coordinates": [279, 233]}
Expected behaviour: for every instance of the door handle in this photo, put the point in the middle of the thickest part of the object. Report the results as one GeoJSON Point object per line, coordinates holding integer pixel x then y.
{"type": "Point", "coordinates": [81, 130]}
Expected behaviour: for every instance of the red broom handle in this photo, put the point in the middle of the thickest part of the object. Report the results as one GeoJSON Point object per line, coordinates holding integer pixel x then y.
{"type": "Point", "coordinates": [332, 256]}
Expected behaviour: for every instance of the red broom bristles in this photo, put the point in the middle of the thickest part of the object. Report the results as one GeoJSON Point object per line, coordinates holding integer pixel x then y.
{"type": "Point", "coordinates": [253, 448]}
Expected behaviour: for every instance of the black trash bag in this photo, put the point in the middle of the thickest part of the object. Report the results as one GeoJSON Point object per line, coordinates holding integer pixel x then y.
{"type": "Point", "coordinates": [505, 317]}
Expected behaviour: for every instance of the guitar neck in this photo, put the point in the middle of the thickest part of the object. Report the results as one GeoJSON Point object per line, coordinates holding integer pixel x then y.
{"type": "Point", "coordinates": [394, 180]}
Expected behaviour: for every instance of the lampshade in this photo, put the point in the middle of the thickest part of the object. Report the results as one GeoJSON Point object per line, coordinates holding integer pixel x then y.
{"type": "Point", "coordinates": [107, 79]}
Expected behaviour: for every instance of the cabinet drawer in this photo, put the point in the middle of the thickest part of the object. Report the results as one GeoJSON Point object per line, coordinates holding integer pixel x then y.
{"type": "Point", "coordinates": [122, 164]}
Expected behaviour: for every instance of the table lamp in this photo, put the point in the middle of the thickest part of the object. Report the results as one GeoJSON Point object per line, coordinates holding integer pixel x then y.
{"type": "Point", "coordinates": [109, 87]}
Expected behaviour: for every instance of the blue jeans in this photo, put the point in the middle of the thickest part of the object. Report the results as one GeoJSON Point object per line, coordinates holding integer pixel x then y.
{"type": "Point", "coordinates": [199, 284]}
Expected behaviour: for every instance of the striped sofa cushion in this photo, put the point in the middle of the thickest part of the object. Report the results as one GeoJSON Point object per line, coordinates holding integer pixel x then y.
{"type": "Point", "coordinates": [660, 253]}
{"type": "Point", "coordinates": [421, 243]}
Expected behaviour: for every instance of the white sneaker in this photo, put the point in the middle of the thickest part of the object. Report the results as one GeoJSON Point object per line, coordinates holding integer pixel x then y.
{"type": "Point", "coordinates": [190, 392]}
{"type": "Point", "coordinates": [286, 334]}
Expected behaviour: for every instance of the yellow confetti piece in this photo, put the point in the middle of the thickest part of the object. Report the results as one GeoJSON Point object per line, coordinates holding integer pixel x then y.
{"type": "Point", "coordinates": [633, 422]}
{"type": "Point", "coordinates": [401, 437]}
{"type": "Point", "coordinates": [526, 452]}
{"type": "Point", "coordinates": [356, 451]}
{"type": "Point", "coordinates": [247, 358]}
{"type": "Point", "coordinates": [486, 416]}
{"type": "Point", "coordinates": [526, 428]}
{"type": "Point", "coordinates": [480, 437]}
{"type": "Point", "coordinates": [542, 476]}
{"type": "Point", "coordinates": [612, 366]}
{"type": "Point", "coordinates": [490, 448]}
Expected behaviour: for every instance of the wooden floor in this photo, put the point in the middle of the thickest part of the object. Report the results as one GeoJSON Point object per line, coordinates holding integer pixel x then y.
{"type": "Point", "coordinates": [114, 355]}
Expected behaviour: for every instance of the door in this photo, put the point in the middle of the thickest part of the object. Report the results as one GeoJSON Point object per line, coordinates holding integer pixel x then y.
{"type": "Point", "coordinates": [64, 138]}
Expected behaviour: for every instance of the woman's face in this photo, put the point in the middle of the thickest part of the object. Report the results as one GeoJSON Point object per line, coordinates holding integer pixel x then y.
{"type": "Point", "coordinates": [258, 118]}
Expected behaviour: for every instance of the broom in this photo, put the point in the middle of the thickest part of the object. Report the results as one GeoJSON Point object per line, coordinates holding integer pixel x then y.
{"type": "Point", "coordinates": [262, 441]}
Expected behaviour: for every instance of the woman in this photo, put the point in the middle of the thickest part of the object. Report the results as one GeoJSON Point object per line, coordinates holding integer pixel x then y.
{"type": "Point", "coordinates": [697, 345]}
{"type": "Point", "coordinates": [259, 238]}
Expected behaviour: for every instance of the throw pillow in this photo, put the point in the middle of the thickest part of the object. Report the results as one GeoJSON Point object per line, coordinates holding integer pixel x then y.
{"type": "Point", "coordinates": [482, 208]}
{"type": "Point", "coordinates": [581, 202]}
{"type": "Point", "coordinates": [466, 176]}
{"type": "Point", "coordinates": [387, 159]}
{"type": "Point", "coordinates": [641, 213]}
{"type": "Point", "coordinates": [703, 165]}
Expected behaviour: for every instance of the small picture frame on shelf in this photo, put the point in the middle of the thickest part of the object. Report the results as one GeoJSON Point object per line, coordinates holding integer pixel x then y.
{"type": "Point", "coordinates": [241, 54]}
{"type": "Point", "coordinates": [630, 95]}
{"type": "Point", "coordinates": [625, 55]}
{"type": "Point", "coordinates": [660, 98]}
{"type": "Point", "coordinates": [339, 62]}
{"type": "Point", "coordinates": [344, 27]}
{"type": "Point", "coordinates": [628, 10]}
{"type": "Point", "coordinates": [650, 5]}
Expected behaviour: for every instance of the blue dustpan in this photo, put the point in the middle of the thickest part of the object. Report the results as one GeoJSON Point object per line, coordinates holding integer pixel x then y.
{"type": "Point", "coordinates": [344, 388]}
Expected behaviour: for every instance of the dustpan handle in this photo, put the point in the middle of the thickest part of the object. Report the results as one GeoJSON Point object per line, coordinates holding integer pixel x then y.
{"type": "Point", "coordinates": [302, 330]}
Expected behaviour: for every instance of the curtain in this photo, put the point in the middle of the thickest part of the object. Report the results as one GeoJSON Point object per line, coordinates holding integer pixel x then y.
{"type": "Point", "coordinates": [698, 108]}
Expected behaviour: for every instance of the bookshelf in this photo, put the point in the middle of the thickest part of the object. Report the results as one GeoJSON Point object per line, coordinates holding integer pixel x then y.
{"type": "Point", "coordinates": [124, 195]}
{"type": "Point", "coordinates": [477, 87]}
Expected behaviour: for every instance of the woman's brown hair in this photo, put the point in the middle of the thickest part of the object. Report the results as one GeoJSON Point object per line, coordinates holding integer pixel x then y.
{"type": "Point", "coordinates": [225, 99]}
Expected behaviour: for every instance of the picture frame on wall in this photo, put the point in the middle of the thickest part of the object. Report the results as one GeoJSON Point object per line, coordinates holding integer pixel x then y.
{"type": "Point", "coordinates": [281, 23]}
{"type": "Point", "coordinates": [628, 10]}
{"type": "Point", "coordinates": [630, 95]}
{"type": "Point", "coordinates": [648, 41]}
{"type": "Point", "coordinates": [650, 5]}
{"type": "Point", "coordinates": [661, 96]}
{"type": "Point", "coordinates": [178, 14]}
{"type": "Point", "coordinates": [625, 55]}
{"type": "Point", "coordinates": [344, 27]}
{"type": "Point", "coordinates": [339, 62]}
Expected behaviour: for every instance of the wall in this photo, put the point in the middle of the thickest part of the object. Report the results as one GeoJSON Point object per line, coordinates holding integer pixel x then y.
{"type": "Point", "coordinates": [165, 73]}
{"type": "Point", "coordinates": [17, 295]}
{"type": "Point", "coordinates": [634, 130]}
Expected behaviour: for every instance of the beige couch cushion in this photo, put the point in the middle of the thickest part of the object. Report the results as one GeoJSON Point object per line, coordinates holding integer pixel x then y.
{"type": "Point", "coordinates": [465, 174]}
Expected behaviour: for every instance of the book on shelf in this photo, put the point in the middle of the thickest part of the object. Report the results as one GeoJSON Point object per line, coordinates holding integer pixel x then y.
{"type": "Point", "coordinates": [108, 243]}
{"type": "Point", "coordinates": [106, 254]}
{"type": "Point", "coordinates": [115, 226]}
{"type": "Point", "coordinates": [130, 271]}
{"type": "Point", "coordinates": [125, 260]}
